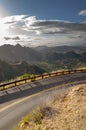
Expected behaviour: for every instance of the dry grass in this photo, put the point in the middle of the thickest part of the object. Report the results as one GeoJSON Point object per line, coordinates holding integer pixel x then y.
{"type": "Point", "coordinates": [71, 112]}
{"type": "Point", "coordinates": [65, 113]}
{"type": "Point", "coordinates": [33, 120]}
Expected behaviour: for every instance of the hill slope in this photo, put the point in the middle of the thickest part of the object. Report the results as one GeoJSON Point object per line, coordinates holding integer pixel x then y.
{"type": "Point", "coordinates": [70, 112]}
{"type": "Point", "coordinates": [60, 49]}
{"type": "Point", "coordinates": [8, 71]}
{"type": "Point", "coordinates": [42, 59]}
{"type": "Point", "coordinates": [67, 113]}
{"type": "Point", "coordinates": [11, 53]}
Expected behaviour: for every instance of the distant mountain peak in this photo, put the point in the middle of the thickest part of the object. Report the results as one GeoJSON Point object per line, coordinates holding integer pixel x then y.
{"type": "Point", "coordinates": [18, 53]}
{"type": "Point", "coordinates": [18, 45]}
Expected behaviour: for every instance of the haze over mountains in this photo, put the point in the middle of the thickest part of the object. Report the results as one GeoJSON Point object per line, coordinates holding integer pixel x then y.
{"type": "Point", "coordinates": [17, 60]}
{"type": "Point", "coordinates": [18, 53]}
{"type": "Point", "coordinates": [11, 53]}
{"type": "Point", "coordinates": [61, 49]}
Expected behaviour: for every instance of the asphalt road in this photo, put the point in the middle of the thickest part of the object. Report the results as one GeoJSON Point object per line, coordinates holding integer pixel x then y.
{"type": "Point", "coordinates": [18, 101]}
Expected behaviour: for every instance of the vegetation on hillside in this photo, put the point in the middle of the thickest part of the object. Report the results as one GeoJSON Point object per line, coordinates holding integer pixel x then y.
{"type": "Point", "coordinates": [18, 60]}
{"type": "Point", "coordinates": [68, 112]}
{"type": "Point", "coordinates": [8, 71]}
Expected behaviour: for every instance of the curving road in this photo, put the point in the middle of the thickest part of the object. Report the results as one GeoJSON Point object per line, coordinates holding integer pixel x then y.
{"type": "Point", "coordinates": [18, 101]}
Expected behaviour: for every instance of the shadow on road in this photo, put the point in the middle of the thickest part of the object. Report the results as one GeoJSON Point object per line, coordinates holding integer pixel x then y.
{"type": "Point", "coordinates": [24, 93]}
{"type": "Point", "coordinates": [36, 86]}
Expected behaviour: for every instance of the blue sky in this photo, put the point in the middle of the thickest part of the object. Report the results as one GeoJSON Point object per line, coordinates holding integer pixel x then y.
{"type": "Point", "coordinates": [30, 22]}
{"type": "Point", "coordinates": [46, 9]}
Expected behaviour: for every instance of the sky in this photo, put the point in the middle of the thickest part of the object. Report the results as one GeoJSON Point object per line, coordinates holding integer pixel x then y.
{"type": "Point", "coordinates": [43, 22]}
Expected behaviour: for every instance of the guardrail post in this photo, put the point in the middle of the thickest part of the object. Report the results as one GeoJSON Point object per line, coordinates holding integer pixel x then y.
{"type": "Point", "coordinates": [49, 75]}
{"type": "Point", "coordinates": [15, 83]}
{"type": "Point", "coordinates": [25, 80]}
{"type": "Point", "coordinates": [63, 72]}
{"type": "Point", "coordinates": [4, 87]}
{"type": "Point", "coordinates": [42, 76]}
{"type": "Point", "coordinates": [82, 70]}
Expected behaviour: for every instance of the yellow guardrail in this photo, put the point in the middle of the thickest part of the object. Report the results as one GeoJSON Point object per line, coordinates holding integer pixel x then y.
{"type": "Point", "coordinates": [52, 74]}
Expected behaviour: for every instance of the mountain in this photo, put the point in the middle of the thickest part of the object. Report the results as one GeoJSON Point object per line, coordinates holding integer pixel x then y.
{"type": "Point", "coordinates": [18, 53]}
{"type": "Point", "coordinates": [60, 49]}
{"type": "Point", "coordinates": [10, 53]}
{"type": "Point", "coordinates": [62, 57]}
{"type": "Point", "coordinates": [41, 48]}
{"type": "Point", "coordinates": [18, 60]}
{"type": "Point", "coordinates": [61, 53]}
{"type": "Point", "coordinates": [9, 71]}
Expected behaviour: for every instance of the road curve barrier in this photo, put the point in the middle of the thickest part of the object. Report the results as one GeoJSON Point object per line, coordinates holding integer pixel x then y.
{"type": "Point", "coordinates": [38, 77]}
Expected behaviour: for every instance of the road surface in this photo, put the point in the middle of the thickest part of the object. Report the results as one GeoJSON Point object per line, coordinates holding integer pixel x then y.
{"type": "Point", "coordinates": [18, 101]}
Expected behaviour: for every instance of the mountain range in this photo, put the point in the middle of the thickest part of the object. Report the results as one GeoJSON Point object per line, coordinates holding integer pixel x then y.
{"type": "Point", "coordinates": [17, 60]}
{"type": "Point", "coordinates": [9, 71]}
{"type": "Point", "coordinates": [12, 53]}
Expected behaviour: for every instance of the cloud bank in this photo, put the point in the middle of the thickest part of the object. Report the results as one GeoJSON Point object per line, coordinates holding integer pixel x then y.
{"type": "Point", "coordinates": [32, 31]}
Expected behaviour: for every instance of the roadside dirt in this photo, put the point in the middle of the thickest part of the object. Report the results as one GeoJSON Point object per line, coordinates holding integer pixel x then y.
{"type": "Point", "coordinates": [69, 113]}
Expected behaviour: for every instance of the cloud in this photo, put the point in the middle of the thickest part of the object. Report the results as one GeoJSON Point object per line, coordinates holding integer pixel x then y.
{"type": "Point", "coordinates": [37, 31]}
{"type": "Point", "coordinates": [52, 27]}
{"type": "Point", "coordinates": [30, 20]}
{"type": "Point", "coordinates": [10, 38]}
{"type": "Point", "coordinates": [23, 24]}
{"type": "Point", "coordinates": [13, 19]}
{"type": "Point", "coordinates": [82, 13]}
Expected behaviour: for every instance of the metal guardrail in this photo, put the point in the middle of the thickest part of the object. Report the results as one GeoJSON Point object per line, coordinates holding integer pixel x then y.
{"type": "Point", "coordinates": [52, 74]}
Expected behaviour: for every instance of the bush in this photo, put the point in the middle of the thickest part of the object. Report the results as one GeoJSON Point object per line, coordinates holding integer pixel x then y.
{"type": "Point", "coordinates": [34, 119]}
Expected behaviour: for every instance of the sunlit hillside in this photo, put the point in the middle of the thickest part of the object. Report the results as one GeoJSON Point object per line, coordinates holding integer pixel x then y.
{"type": "Point", "coordinates": [67, 112]}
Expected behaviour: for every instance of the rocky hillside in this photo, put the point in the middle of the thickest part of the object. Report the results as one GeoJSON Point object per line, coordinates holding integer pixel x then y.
{"type": "Point", "coordinates": [39, 60]}
{"type": "Point", "coordinates": [70, 112]}
{"type": "Point", "coordinates": [10, 53]}
{"type": "Point", "coordinates": [67, 113]}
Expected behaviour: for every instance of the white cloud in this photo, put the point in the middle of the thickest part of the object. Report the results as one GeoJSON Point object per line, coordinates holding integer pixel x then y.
{"type": "Point", "coordinates": [36, 32]}
{"type": "Point", "coordinates": [12, 19]}
{"type": "Point", "coordinates": [82, 13]}
{"type": "Point", "coordinates": [30, 20]}
{"type": "Point", "coordinates": [23, 24]}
